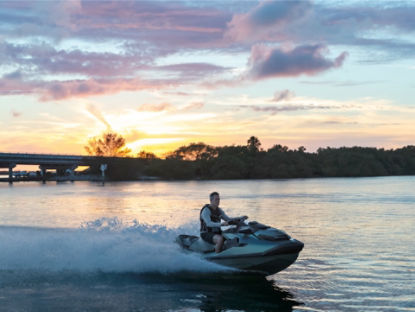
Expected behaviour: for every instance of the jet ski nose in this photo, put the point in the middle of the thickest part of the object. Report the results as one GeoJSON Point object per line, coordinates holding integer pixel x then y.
{"type": "Point", "coordinates": [291, 246]}
{"type": "Point", "coordinates": [297, 245]}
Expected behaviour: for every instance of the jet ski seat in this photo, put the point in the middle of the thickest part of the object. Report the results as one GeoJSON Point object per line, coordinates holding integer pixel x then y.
{"type": "Point", "coordinates": [195, 243]}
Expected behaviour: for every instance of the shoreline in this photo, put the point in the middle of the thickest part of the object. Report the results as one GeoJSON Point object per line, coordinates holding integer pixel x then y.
{"type": "Point", "coordinates": [97, 178]}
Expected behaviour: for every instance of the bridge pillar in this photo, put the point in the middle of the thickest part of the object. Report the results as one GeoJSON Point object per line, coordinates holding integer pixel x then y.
{"type": "Point", "coordinates": [11, 166]}
{"type": "Point", "coordinates": [71, 172]}
{"type": "Point", "coordinates": [43, 173]}
{"type": "Point", "coordinates": [60, 172]}
{"type": "Point", "coordinates": [103, 167]}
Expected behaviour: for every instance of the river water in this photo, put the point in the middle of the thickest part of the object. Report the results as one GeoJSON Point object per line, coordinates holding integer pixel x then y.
{"type": "Point", "coordinates": [86, 247]}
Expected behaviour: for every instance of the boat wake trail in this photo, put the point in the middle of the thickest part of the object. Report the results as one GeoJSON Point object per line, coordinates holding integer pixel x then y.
{"type": "Point", "coordinates": [104, 245]}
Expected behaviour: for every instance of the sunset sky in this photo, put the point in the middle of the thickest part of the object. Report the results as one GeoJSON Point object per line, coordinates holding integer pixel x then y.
{"type": "Point", "coordinates": [167, 73]}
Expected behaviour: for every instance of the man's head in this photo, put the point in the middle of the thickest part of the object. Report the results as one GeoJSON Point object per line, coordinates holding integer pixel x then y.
{"type": "Point", "coordinates": [214, 199]}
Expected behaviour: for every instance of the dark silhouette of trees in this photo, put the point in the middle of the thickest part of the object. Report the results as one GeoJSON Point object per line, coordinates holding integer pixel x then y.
{"type": "Point", "coordinates": [202, 161]}
{"type": "Point", "coordinates": [253, 144]}
{"type": "Point", "coordinates": [194, 151]}
{"type": "Point", "coordinates": [110, 144]}
{"type": "Point", "coordinates": [146, 155]}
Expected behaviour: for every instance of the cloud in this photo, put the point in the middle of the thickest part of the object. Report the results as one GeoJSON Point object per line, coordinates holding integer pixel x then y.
{"type": "Point", "coordinates": [43, 58]}
{"type": "Point", "coordinates": [160, 107]}
{"type": "Point", "coordinates": [16, 75]}
{"type": "Point", "coordinates": [64, 50]}
{"type": "Point", "coordinates": [178, 93]}
{"type": "Point", "coordinates": [305, 22]}
{"type": "Point", "coordinates": [399, 16]}
{"type": "Point", "coordinates": [94, 111]}
{"type": "Point", "coordinates": [16, 114]}
{"type": "Point", "coordinates": [140, 21]}
{"type": "Point", "coordinates": [266, 62]}
{"type": "Point", "coordinates": [229, 82]}
{"type": "Point", "coordinates": [283, 95]}
{"type": "Point", "coordinates": [134, 135]}
{"type": "Point", "coordinates": [79, 74]}
{"type": "Point", "coordinates": [155, 107]}
{"type": "Point", "coordinates": [61, 49]}
{"type": "Point", "coordinates": [193, 106]}
{"type": "Point", "coordinates": [328, 122]}
{"type": "Point", "coordinates": [263, 21]}
{"type": "Point", "coordinates": [286, 108]}
{"type": "Point", "coordinates": [59, 90]}
{"type": "Point", "coordinates": [190, 71]}
{"type": "Point", "coordinates": [343, 83]}
{"type": "Point", "coordinates": [16, 87]}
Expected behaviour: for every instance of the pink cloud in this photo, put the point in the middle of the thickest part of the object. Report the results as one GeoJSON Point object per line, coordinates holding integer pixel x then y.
{"type": "Point", "coordinates": [16, 114]}
{"type": "Point", "coordinates": [171, 25]}
{"type": "Point", "coordinates": [168, 107]}
{"type": "Point", "coordinates": [59, 90]}
{"type": "Point", "coordinates": [193, 106]}
{"type": "Point", "coordinates": [145, 31]}
{"type": "Point", "coordinates": [154, 107]}
{"type": "Point", "coordinates": [16, 87]}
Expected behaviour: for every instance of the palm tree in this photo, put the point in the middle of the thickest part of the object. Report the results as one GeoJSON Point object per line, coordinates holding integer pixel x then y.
{"type": "Point", "coordinates": [253, 144]}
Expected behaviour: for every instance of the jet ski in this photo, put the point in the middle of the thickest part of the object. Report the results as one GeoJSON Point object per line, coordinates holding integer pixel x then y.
{"type": "Point", "coordinates": [249, 246]}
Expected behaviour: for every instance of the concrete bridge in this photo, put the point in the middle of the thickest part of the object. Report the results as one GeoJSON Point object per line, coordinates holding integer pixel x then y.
{"type": "Point", "coordinates": [60, 163]}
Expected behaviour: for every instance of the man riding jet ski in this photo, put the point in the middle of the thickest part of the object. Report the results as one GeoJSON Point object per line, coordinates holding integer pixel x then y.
{"type": "Point", "coordinates": [247, 246]}
{"type": "Point", "coordinates": [210, 222]}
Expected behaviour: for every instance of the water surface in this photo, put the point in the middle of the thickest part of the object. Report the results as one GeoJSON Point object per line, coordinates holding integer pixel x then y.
{"type": "Point", "coordinates": [86, 247]}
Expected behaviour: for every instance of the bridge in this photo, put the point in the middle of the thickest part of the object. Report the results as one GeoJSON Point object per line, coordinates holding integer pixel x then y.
{"type": "Point", "coordinates": [60, 163]}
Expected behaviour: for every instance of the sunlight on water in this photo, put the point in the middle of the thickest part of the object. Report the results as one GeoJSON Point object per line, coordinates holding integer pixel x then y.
{"type": "Point", "coordinates": [75, 241]}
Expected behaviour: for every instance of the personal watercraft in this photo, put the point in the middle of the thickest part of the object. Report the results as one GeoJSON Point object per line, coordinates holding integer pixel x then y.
{"type": "Point", "coordinates": [249, 246]}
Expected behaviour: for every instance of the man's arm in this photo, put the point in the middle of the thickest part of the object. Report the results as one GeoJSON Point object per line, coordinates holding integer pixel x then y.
{"type": "Point", "coordinates": [225, 217]}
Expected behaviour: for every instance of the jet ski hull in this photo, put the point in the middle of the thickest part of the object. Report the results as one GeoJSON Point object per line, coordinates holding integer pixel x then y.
{"type": "Point", "coordinates": [262, 264]}
{"type": "Point", "coordinates": [264, 258]}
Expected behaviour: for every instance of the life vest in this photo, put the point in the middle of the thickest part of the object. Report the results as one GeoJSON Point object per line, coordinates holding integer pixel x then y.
{"type": "Point", "coordinates": [214, 216]}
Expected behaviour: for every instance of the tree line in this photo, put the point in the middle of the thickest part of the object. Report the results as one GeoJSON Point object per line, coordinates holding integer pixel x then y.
{"type": "Point", "coordinates": [250, 161]}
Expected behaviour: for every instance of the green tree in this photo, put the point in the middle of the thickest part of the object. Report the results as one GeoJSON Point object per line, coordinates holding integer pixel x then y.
{"type": "Point", "coordinates": [110, 144]}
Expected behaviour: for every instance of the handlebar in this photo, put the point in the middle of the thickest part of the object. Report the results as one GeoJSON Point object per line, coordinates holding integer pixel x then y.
{"type": "Point", "coordinates": [237, 222]}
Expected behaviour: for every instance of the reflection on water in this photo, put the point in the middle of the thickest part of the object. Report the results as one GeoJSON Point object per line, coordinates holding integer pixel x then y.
{"type": "Point", "coordinates": [243, 292]}
{"type": "Point", "coordinates": [71, 291]}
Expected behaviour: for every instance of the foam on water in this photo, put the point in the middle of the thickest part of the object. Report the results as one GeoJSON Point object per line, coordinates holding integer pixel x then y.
{"type": "Point", "coordinates": [106, 245]}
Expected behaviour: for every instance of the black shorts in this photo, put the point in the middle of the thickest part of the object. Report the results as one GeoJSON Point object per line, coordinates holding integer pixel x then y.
{"type": "Point", "coordinates": [208, 237]}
